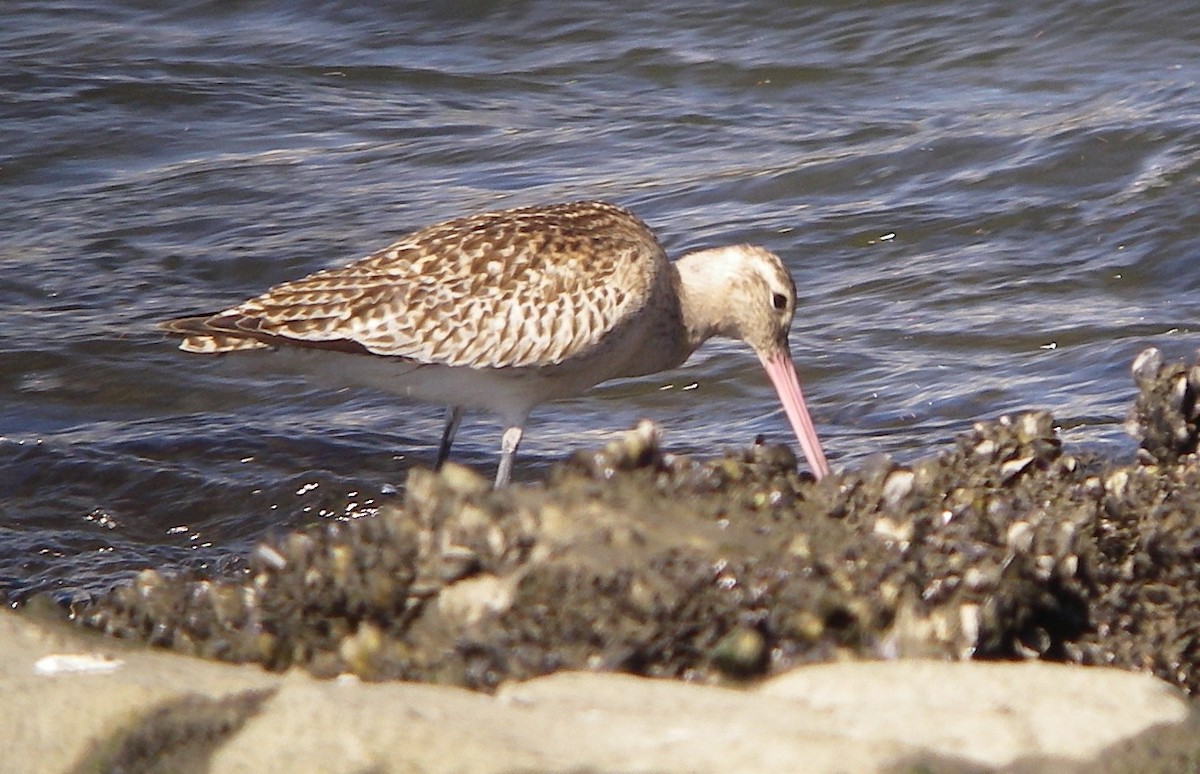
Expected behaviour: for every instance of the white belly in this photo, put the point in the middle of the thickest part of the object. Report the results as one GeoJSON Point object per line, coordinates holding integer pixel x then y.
{"type": "Point", "coordinates": [509, 392]}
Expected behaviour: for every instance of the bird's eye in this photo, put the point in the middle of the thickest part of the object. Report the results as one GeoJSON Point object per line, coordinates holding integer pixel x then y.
{"type": "Point", "coordinates": [779, 301]}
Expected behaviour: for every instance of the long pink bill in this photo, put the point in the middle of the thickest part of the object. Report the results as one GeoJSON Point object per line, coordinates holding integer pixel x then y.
{"type": "Point", "coordinates": [782, 373]}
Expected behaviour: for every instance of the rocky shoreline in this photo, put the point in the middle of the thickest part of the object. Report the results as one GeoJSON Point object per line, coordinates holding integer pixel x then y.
{"type": "Point", "coordinates": [631, 560]}
{"type": "Point", "coordinates": [734, 573]}
{"type": "Point", "coordinates": [127, 709]}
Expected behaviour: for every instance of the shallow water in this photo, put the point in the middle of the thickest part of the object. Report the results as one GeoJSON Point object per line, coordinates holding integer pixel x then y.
{"type": "Point", "coordinates": [985, 210]}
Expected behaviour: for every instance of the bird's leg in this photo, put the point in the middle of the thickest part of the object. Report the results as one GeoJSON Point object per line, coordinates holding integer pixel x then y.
{"type": "Point", "coordinates": [454, 415]}
{"type": "Point", "coordinates": [508, 452]}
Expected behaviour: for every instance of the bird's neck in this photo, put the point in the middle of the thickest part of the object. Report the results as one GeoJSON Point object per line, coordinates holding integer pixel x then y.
{"type": "Point", "coordinates": [703, 296]}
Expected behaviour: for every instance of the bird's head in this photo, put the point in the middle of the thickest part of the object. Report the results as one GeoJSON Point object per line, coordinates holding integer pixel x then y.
{"type": "Point", "coordinates": [745, 292]}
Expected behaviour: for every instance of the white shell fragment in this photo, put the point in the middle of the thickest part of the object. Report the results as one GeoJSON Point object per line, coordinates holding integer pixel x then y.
{"type": "Point", "coordinates": [76, 664]}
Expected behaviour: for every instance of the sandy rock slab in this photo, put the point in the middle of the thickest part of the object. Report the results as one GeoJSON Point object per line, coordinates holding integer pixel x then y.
{"type": "Point", "coordinates": [73, 702]}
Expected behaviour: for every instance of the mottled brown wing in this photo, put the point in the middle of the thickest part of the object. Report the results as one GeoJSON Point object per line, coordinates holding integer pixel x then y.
{"type": "Point", "coordinates": [522, 287]}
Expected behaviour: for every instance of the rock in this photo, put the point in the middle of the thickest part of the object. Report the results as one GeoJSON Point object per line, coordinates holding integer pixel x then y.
{"type": "Point", "coordinates": [161, 711]}
{"type": "Point", "coordinates": [1164, 416]}
{"type": "Point", "coordinates": [730, 572]}
{"type": "Point", "coordinates": [657, 565]}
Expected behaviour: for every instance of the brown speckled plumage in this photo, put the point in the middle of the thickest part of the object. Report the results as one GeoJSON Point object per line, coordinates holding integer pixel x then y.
{"type": "Point", "coordinates": [506, 310]}
{"type": "Point", "coordinates": [525, 287]}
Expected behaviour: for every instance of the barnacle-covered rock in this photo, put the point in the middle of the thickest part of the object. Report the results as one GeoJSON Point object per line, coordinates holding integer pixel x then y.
{"type": "Point", "coordinates": [1002, 546]}
{"type": "Point", "coordinates": [1164, 416]}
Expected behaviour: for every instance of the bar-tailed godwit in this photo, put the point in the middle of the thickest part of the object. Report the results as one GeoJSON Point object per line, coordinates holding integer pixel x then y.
{"type": "Point", "coordinates": [507, 310]}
